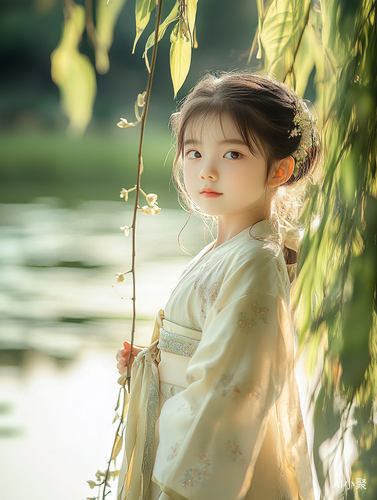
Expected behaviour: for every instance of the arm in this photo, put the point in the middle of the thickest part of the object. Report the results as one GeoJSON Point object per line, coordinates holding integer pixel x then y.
{"type": "Point", "coordinates": [211, 433]}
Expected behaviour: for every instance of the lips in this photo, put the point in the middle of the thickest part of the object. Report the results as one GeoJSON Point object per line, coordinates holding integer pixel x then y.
{"type": "Point", "coordinates": [210, 193]}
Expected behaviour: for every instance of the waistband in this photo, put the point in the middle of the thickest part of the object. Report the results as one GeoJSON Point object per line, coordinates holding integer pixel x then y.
{"type": "Point", "coordinates": [177, 344]}
{"type": "Point", "coordinates": [178, 339]}
{"type": "Point", "coordinates": [171, 327]}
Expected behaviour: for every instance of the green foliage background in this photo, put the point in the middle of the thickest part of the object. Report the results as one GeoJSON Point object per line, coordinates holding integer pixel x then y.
{"type": "Point", "coordinates": [38, 159]}
{"type": "Point", "coordinates": [336, 289]}
{"type": "Point", "coordinates": [326, 50]}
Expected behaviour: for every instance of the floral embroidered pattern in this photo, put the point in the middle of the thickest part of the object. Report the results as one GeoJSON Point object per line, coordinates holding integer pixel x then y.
{"type": "Point", "coordinates": [247, 322]}
{"type": "Point", "coordinates": [199, 475]}
{"type": "Point", "coordinates": [222, 384]}
{"type": "Point", "coordinates": [234, 451]}
{"type": "Point", "coordinates": [230, 385]}
{"type": "Point", "coordinates": [174, 451]}
{"type": "Point", "coordinates": [207, 295]}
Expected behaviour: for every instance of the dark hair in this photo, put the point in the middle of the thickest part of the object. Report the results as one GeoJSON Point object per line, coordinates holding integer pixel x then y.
{"type": "Point", "coordinates": [262, 109]}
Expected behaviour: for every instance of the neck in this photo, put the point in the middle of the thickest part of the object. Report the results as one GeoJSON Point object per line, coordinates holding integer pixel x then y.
{"type": "Point", "coordinates": [229, 225]}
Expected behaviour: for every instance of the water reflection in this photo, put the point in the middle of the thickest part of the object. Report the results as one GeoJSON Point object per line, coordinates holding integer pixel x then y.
{"type": "Point", "coordinates": [56, 428]}
{"type": "Point", "coordinates": [60, 324]}
{"type": "Point", "coordinates": [58, 265]}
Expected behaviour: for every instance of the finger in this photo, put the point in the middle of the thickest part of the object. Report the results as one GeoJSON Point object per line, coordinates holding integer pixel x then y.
{"type": "Point", "coordinates": [122, 370]}
{"type": "Point", "coordinates": [123, 361]}
{"type": "Point", "coordinates": [127, 356]}
{"type": "Point", "coordinates": [120, 353]}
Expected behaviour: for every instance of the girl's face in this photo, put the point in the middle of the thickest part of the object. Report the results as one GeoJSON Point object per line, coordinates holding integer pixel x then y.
{"type": "Point", "coordinates": [221, 175]}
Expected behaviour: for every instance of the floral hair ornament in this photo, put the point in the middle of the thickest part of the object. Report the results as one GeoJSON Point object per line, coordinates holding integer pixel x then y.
{"type": "Point", "coordinates": [304, 121]}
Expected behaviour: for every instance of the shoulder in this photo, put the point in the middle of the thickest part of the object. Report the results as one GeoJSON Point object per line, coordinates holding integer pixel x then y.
{"type": "Point", "coordinates": [255, 252]}
{"type": "Point", "coordinates": [255, 266]}
{"type": "Point", "coordinates": [254, 257]}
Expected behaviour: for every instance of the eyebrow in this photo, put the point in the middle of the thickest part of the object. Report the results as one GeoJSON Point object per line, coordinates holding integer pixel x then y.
{"type": "Point", "coordinates": [225, 141]}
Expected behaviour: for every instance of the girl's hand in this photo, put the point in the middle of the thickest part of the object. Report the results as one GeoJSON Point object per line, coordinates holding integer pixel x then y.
{"type": "Point", "coordinates": [123, 354]}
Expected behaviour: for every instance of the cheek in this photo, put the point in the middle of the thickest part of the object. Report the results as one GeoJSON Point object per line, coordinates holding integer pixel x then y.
{"type": "Point", "coordinates": [185, 175]}
{"type": "Point", "coordinates": [250, 178]}
{"type": "Point", "coordinates": [188, 178]}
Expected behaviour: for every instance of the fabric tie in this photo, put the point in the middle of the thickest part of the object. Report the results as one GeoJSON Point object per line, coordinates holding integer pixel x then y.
{"type": "Point", "coordinates": [290, 238]}
{"type": "Point", "coordinates": [141, 421]}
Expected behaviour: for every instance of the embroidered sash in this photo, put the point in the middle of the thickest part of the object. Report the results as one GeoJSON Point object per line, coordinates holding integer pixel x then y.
{"type": "Point", "coordinates": [136, 470]}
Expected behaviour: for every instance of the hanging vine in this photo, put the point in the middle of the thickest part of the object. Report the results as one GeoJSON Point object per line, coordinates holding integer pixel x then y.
{"type": "Point", "coordinates": [182, 41]}
{"type": "Point", "coordinates": [336, 44]}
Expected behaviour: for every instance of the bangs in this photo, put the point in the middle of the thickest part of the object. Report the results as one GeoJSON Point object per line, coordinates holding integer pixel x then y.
{"type": "Point", "coordinates": [198, 116]}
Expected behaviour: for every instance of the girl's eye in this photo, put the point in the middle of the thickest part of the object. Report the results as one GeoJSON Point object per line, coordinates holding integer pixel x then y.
{"type": "Point", "coordinates": [193, 154]}
{"type": "Point", "coordinates": [233, 155]}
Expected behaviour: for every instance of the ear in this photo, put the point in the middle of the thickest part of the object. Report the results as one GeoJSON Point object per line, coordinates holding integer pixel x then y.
{"type": "Point", "coordinates": [280, 172]}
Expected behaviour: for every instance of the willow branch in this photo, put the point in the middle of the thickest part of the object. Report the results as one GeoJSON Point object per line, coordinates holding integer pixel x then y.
{"type": "Point", "coordinates": [133, 227]}
{"type": "Point", "coordinates": [139, 171]}
{"type": "Point", "coordinates": [89, 23]}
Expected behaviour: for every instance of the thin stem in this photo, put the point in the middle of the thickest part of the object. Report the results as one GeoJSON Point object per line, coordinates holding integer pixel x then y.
{"type": "Point", "coordinates": [89, 23]}
{"type": "Point", "coordinates": [67, 8]}
{"type": "Point", "coordinates": [139, 171]}
{"type": "Point", "coordinates": [252, 46]}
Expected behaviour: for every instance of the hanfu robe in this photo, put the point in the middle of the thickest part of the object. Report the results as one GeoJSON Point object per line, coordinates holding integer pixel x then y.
{"type": "Point", "coordinates": [229, 423]}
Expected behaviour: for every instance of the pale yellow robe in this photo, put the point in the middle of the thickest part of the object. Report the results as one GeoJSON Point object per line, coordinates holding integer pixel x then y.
{"type": "Point", "coordinates": [230, 426]}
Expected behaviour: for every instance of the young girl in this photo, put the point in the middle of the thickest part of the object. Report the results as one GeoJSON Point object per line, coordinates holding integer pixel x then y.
{"type": "Point", "coordinates": [220, 418]}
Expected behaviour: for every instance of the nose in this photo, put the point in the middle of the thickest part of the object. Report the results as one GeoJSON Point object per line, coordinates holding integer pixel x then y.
{"type": "Point", "coordinates": [208, 171]}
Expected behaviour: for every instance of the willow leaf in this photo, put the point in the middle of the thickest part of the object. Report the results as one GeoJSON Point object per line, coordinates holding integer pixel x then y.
{"type": "Point", "coordinates": [126, 402]}
{"type": "Point", "coordinates": [258, 40]}
{"type": "Point", "coordinates": [320, 436]}
{"type": "Point", "coordinates": [280, 28]}
{"type": "Point", "coordinates": [107, 16]}
{"type": "Point", "coordinates": [306, 60]}
{"type": "Point", "coordinates": [191, 15]}
{"type": "Point", "coordinates": [73, 73]}
{"type": "Point", "coordinates": [173, 16]}
{"type": "Point", "coordinates": [118, 400]}
{"type": "Point", "coordinates": [143, 9]}
{"type": "Point", "coordinates": [180, 57]}
{"type": "Point", "coordinates": [117, 446]}
{"type": "Point", "coordinates": [337, 284]}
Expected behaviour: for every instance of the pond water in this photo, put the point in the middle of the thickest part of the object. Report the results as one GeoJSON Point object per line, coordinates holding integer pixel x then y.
{"type": "Point", "coordinates": [61, 323]}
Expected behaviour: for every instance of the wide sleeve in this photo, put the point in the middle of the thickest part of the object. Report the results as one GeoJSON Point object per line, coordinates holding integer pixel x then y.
{"type": "Point", "coordinates": [211, 433]}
